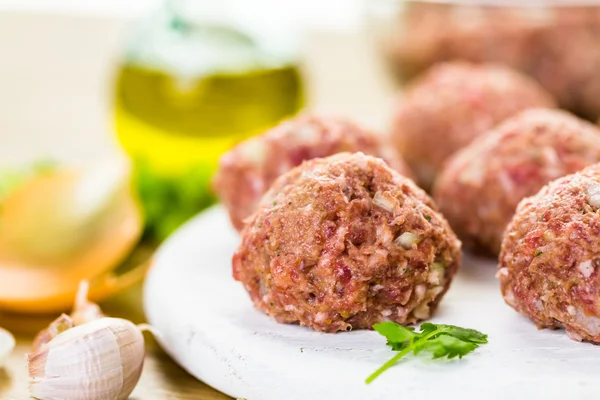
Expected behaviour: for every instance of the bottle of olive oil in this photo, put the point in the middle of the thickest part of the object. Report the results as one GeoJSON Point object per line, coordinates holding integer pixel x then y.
{"type": "Point", "coordinates": [189, 88]}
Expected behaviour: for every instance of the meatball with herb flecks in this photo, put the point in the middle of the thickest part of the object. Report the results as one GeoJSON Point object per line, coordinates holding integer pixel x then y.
{"type": "Point", "coordinates": [453, 103]}
{"type": "Point", "coordinates": [550, 258]}
{"type": "Point", "coordinates": [246, 172]}
{"type": "Point", "coordinates": [344, 242]}
{"type": "Point", "coordinates": [481, 185]}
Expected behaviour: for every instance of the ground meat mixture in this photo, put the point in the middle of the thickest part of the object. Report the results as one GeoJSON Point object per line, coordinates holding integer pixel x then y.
{"type": "Point", "coordinates": [550, 258]}
{"type": "Point", "coordinates": [558, 46]}
{"type": "Point", "coordinates": [344, 242]}
{"type": "Point", "coordinates": [246, 172]}
{"type": "Point", "coordinates": [482, 184]}
{"type": "Point", "coordinates": [450, 105]}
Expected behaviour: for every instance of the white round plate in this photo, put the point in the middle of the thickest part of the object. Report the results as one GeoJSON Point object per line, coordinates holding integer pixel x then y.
{"type": "Point", "coordinates": [208, 325]}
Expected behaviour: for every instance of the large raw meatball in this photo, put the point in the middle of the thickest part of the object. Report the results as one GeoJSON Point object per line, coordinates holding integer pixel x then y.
{"type": "Point", "coordinates": [481, 185]}
{"type": "Point", "coordinates": [344, 242]}
{"type": "Point", "coordinates": [246, 172]}
{"type": "Point", "coordinates": [451, 104]}
{"type": "Point", "coordinates": [549, 264]}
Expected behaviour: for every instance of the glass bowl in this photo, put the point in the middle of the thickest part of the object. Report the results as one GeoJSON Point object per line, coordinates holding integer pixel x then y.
{"type": "Point", "coordinates": [556, 42]}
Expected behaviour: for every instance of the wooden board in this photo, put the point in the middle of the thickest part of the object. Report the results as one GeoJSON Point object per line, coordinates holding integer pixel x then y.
{"type": "Point", "coordinates": [210, 328]}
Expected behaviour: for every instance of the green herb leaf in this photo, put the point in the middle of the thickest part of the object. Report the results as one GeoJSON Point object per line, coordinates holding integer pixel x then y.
{"type": "Point", "coordinates": [397, 336]}
{"type": "Point", "coordinates": [168, 201]}
{"type": "Point", "coordinates": [470, 335]}
{"type": "Point", "coordinates": [445, 346]}
{"type": "Point", "coordinates": [440, 340]}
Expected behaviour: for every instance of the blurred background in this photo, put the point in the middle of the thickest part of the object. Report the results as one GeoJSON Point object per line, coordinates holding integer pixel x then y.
{"type": "Point", "coordinates": [165, 81]}
{"type": "Point", "coordinates": [61, 59]}
{"type": "Point", "coordinates": [113, 115]}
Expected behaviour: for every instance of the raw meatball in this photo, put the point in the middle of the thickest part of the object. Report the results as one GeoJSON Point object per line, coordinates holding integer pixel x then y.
{"type": "Point", "coordinates": [551, 254]}
{"type": "Point", "coordinates": [556, 45]}
{"type": "Point", "coordinates": [481, 185]}
{"type": "Point", "coordinates": [451, 104]}
{"type": "Point", "coordinates": [246, 172]}
{"type": "Point", "coordinates": [344, 242]}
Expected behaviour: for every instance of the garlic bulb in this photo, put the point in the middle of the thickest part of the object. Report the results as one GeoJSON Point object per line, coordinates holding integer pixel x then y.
{"type": "Point", "coordinates": [7, 344]}
{"type": "Point", "coordinates": [99, 360]}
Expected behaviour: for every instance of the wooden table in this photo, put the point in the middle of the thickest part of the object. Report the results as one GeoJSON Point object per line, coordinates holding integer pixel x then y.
{"type": "Point", "coordinates": [55, 101]}
{"type": "Point", "coordinates": [161, 377]}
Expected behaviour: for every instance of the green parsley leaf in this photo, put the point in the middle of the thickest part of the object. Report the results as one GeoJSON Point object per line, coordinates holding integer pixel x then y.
{"type": "Point", "coordinates": [445, 346]}
{"type": "Point", "coordinates": [438, 339]}
{"type": "Point", "coordinates": [465, 334]}
{"type": "Point", "coordinates": [397, 336]}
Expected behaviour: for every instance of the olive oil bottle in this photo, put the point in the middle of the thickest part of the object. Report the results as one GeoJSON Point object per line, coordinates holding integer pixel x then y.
{"type": "Point", "coordinates": [187, 91]}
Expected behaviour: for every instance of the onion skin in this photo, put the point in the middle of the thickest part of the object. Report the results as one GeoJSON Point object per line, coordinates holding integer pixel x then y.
{"type": "Point", "coordinates": [92, 239]}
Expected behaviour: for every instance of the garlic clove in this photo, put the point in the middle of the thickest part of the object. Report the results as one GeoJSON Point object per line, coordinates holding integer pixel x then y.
{"type": "Point", "coordinates": [99, 360]}
{"type": "Point", "coordinates": [84, 310]}
{"type": "Point", "coordinates": [56, 327]}
{"type": "Point", "coordinates": [7, 344]}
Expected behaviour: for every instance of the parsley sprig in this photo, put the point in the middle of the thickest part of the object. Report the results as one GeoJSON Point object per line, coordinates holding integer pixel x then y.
{"type": "Point", "coordinates": [440, 340]}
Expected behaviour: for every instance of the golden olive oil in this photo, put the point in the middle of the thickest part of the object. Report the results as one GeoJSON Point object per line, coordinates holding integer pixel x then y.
{"type": "Point", "coordinates": [177, 110]}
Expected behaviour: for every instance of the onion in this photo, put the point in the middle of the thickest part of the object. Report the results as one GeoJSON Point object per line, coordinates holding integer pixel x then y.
{"type": "Point", "coordinates": [422, 311]}
{"type": "Point", "coordinates": [65, 226]}
{"type": "Point", "coordinates": [407, 240]}
{"type": "Point", "coordinates": [586, 268]}
{"type": "Point", "coordinates": [593, 192]}
{"type": "Point", "coordinates": [589, 323]}
{"type": "Point", "coordinates": [383, 202]}
{"type": "Point", "coordinates": [502, 272]}
{"type": "Point", "coordinates": [509, 297]}
{"type": "Point", "coordinates": [436, 273]}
